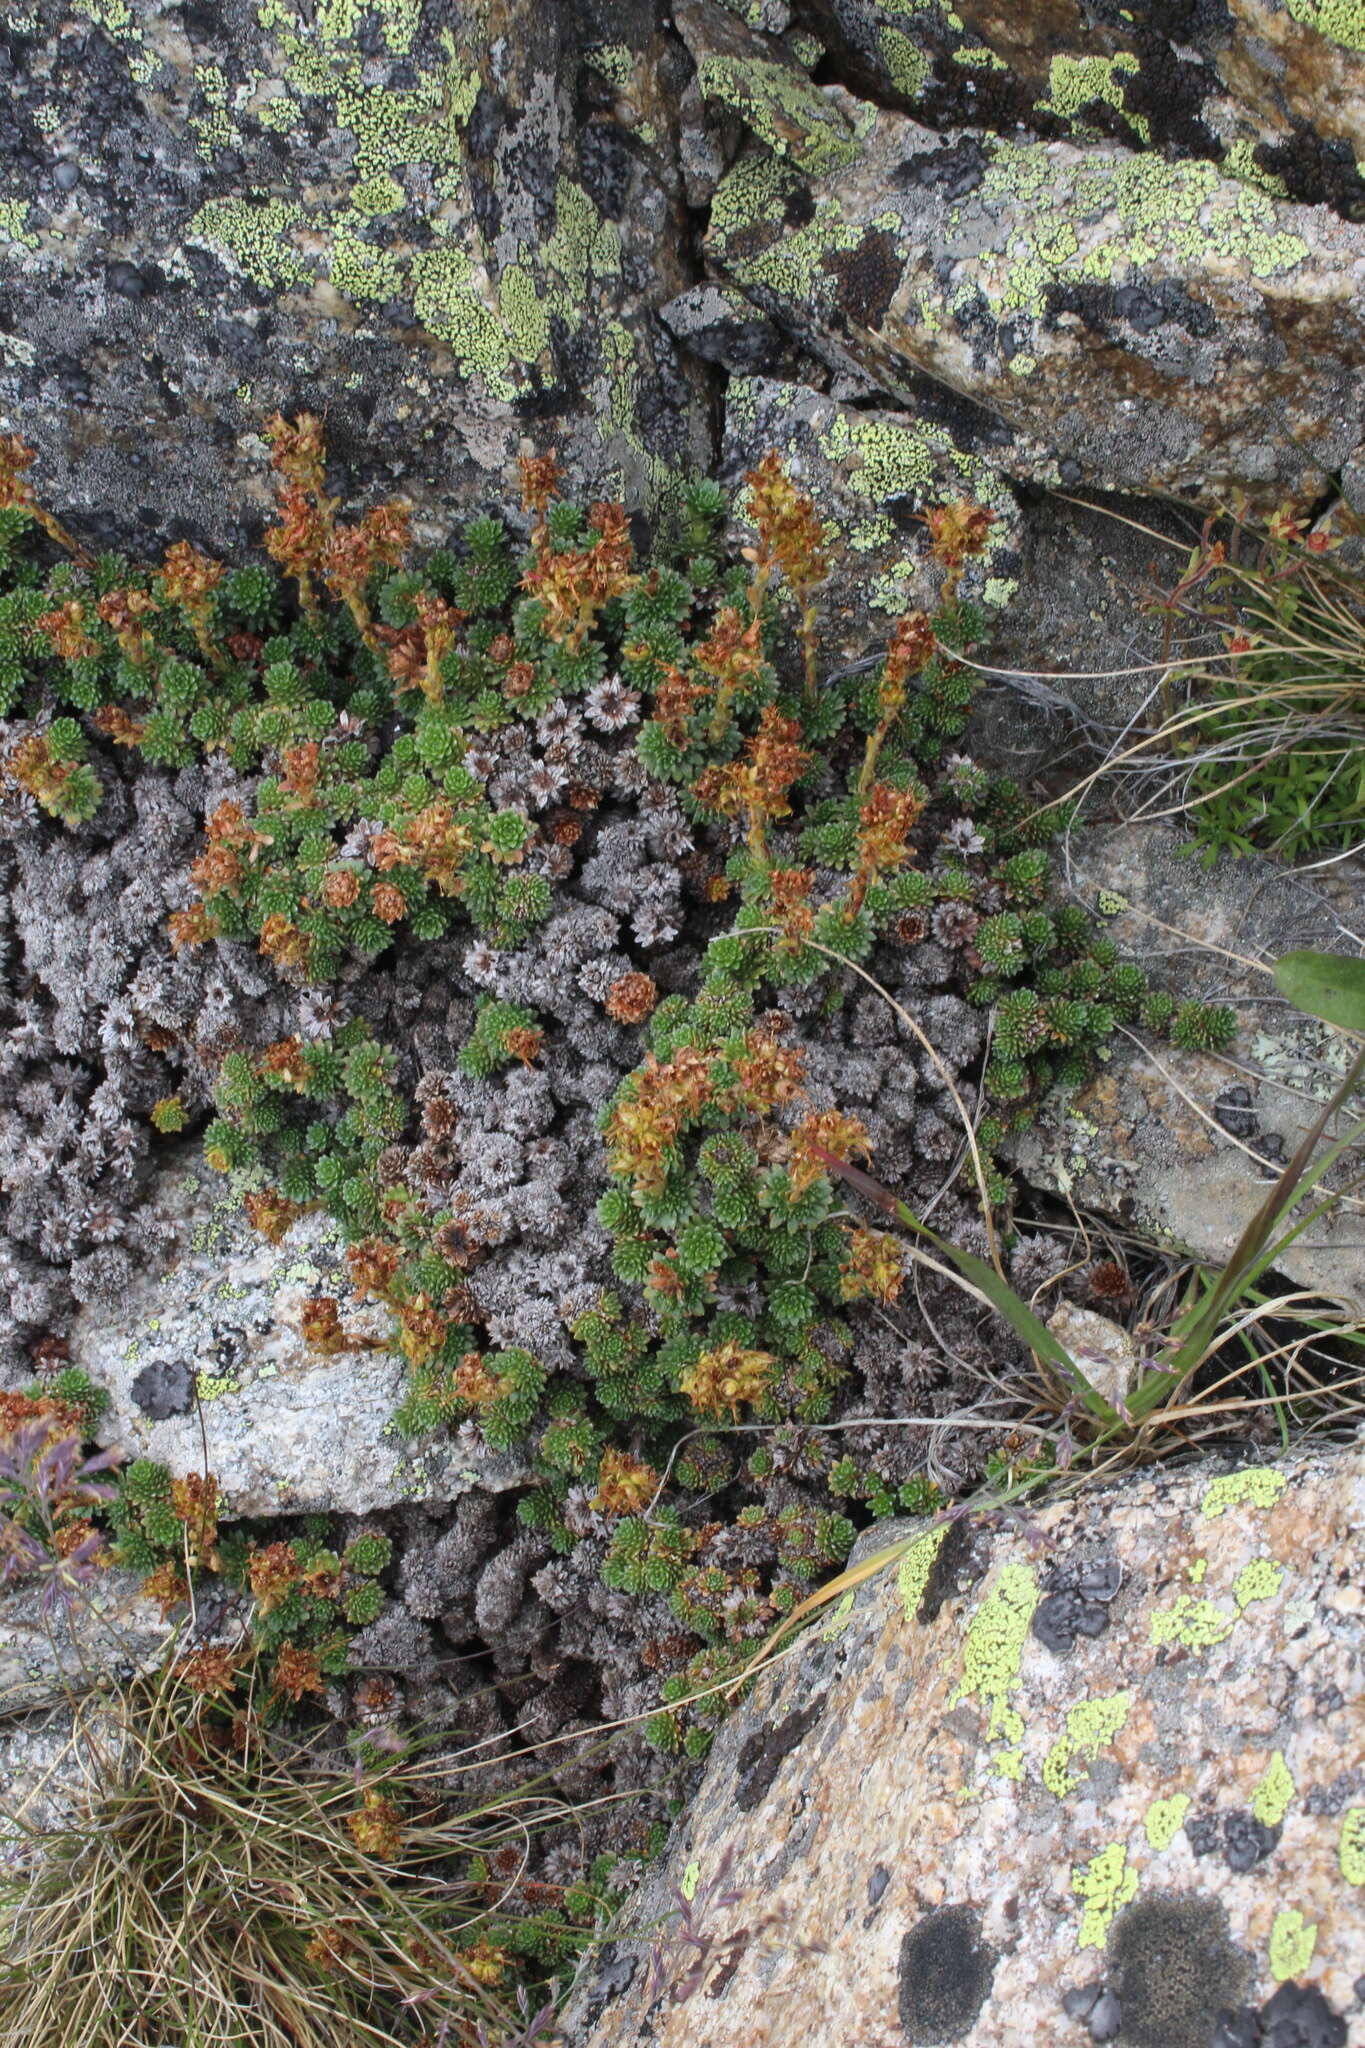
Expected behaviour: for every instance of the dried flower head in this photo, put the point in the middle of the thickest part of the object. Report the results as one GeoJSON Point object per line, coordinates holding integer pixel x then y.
{"type": "Point", "coordinates": [625, 1484]}
{"type": "Point", "coordinates": [720, 1382]}
{"type": "Point", "coordinates": [874, 1267]}
{"type": "Point", "coordinates": [827, 1130]}
{"type": "Point", "coordinates": [631, 999]}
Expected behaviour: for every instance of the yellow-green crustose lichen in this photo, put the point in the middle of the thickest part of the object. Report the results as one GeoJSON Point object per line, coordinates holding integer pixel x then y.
{"type": "Point", "coordinates": [1255, 1486]}
{"type": "Point", "coordinates": [1091, 1725]}
{"type": "Point", "coordinates": [213, 1386]}
{"type": "Point", "coordinates": [906, 64]}
{"type": "Point", "coordinates": [1239, 161]}
{"type": "Point", "coordinates": [14, 224]}
{"type": "Point", "coordinates": [1164, 1819]}
{"type": "Point", "coordinates": [255, 234]}
{"type": "Point", "coordinates": [1341, 21]}
{"type": "Point", "coordinates": [1095, 218]}
{"type": "Point", "coordinates": [783, 108]}
{"type": "Point", "coordinates": [1103, 1885]}
{"type": "Point", "coordinates": [1351, 1845]}
{"type": "Point", "coordinates": [839, 1620]}
{"type": "Point", "coordinates": [757, 190]}
{"type": "Point", "coordinates": [614, 61]}
{"type": "Point", "coordinates": [915, 1567]}
{"type": "Point", "coordinates": [1074, 82]}
{"type": "Point", "coordinates": [994, 1647]}
{"type": "Point", "coordinates": [1259, 1580]}
{"type": "Point", "coordinates": [1271, 1800]}
{"type": "Point", "coordinates": [338, 19]}
{"type": "Point", "coordinates": [1292, 1941]}
{"type": "Point", "coordinates": [1193, 1624]}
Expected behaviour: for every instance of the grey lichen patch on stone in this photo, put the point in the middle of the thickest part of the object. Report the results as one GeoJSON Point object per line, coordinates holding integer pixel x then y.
{"type": "Point", "coordinates": [286, 1427]}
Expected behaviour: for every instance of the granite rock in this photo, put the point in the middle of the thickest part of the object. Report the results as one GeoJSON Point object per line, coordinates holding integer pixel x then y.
{"type": "Point", "coordinates": [968, 1827]}
{"type": "Point", "coordinates": [1274, 91]}
{"type": "Point", "coordinates": [1185, 1146]}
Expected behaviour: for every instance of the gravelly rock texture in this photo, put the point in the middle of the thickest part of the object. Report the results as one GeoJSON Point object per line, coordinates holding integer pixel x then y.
{"type": "Point", "coordinates": [1091, 1775]}
{"type": "Point", "coordinates": [107, 1632]}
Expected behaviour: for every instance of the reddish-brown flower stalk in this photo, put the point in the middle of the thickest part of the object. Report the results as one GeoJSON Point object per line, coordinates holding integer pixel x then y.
{"type": "Point", "coordinates": [64, 628]}
{"type": "Point", "coordinates": [758, 784]}
{"type": "Point", "coordinates": [574, 586]}
{"type": "Point", "coordinates": [957, 532]}
{"type": "Point", "coordinates": [731, 655]}
{"type": "Point", "coordinates": [789, 897]}
{"type": "Point", "coordinates": [352, 554]}
{"type": "Point", "coordinates": [790, 537]}
{"type": "Point", "coordinates": [825, 1130]}
{"type": "Point", "coordinates": [912, 649]}
{"type": "Point", "coordinates": [123, 612]}
{"type": "Point", "coordinates": [33, 768]}
{"type": "Point", "coordinates": [721, 1381]}
{"type": "Point", "coordinates": [663, 1100]}
{"type": "Point", "coordinates": [885, 821]}
{"type": "Point", "coordinates": [625, 1484]}
{"type": "Point", "coordinates": [270, 1212]}
{"type": "Point", "coordinates": [540, 479]}
{"type": "Point", "coordinates": [16, 495]}
{"type": "Point", "coordinates": [874, 1266]}
{"type": "Point", "coordinates": [189, 579]}
{"type": "Point", "coordinates": [417, 651]}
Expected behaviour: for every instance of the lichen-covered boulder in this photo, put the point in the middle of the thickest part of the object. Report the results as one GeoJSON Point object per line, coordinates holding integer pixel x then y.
{"type": "Point", "coordinates": [445, 227]}
{"type": "Point", "coordinates": [1156, 324]}
{"type": "Point", "coordinates": [872, 473]}
{"type": "Point", "coordinates": [1093, 1774]}
{"type": "Point", "coordinates": [206, 1362]}
{"type": "Point", "coordinates": [765, 84]}
{"type": "Point", "coordinates": [1272, 89]}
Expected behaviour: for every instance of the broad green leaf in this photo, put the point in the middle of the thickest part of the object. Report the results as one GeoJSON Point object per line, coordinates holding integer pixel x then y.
{"type": "Point", "coordinates": [1326, 985]}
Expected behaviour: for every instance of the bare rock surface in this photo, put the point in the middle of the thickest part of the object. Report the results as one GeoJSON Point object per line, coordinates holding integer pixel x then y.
{"type": "Point", "coordinates": [49, 1651]}
{"type": "Point", "coordinates": [1187, 1145]}
{"type": "Point", "coordinates": [1089, 1774]}
{"type": "Point", "coordinates": [206, 1366]}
